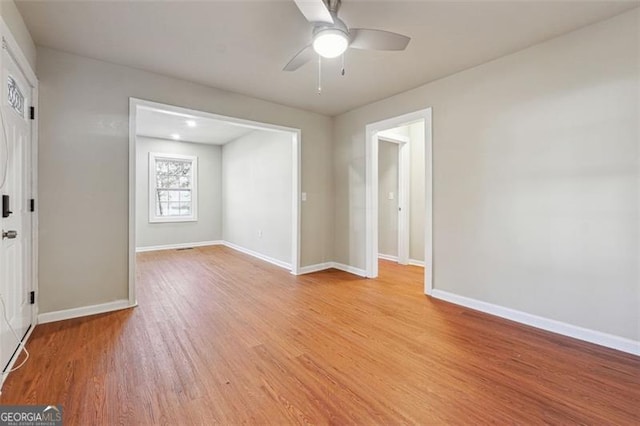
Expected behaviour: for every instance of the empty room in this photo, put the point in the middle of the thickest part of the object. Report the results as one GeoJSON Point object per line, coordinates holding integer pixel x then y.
{"type": "Point", "coordinates": [320, 212]}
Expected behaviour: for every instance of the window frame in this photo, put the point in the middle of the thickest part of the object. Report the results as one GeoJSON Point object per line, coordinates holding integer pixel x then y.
{"type": "Point", "coordinates": [153, 186]}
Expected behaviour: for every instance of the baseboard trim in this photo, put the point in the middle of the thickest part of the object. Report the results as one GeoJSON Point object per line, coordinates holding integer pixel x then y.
{"type": "Point", "coordinates": [178, 246]}
{"type": "Point", "coordinates": [558, 327]}
{"type": "Point", "coordinates": [314, 268]}
{"type": "Point", "coordinates": [414, 262]}
{"type": "Point", "coordinates": [257, 255]}
{"type": "Point", "coordinates": [349, 269]}
{"type": "Point", "coordinates": [329, 265]}
{"type": "Point", "coordinates": [84, 311]}
{"type": "Point", "coordinates": [387, 257]}
{"type": "Point", "coordinates": [233, 246]}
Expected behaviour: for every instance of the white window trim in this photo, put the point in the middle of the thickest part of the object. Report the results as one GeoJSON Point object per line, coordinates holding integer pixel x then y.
{"type": "Point", "coordinates": [153, 156]}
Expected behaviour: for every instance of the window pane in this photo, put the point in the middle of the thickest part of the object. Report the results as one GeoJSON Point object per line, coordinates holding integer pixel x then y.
{"type": "Point", "coordinates": [162, 209]}
{"type": "Point", "coordinates": [161, 167]}
{"type": "Point", "coordinates": [185, 208]}
{"type": "Point", "coordinates": [174, 181]}
{"type": "Point", "coordinates": [185, 182]}
{"type": "Point", "coordinates": [168, 181]}
{"type": "Point", "coordinates": [179, 209]}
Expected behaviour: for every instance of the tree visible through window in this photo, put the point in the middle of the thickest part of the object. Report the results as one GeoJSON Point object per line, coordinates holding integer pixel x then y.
{"type": "Point", "coordinates": [172, 187]}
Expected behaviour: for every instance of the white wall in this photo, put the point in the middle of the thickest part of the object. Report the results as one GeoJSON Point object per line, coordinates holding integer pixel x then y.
{"type": "Point", "coordinates": [535, 180]}
{"type": "Point", "coordinates": [257, 196]}
{"type": "Point", "coordinates": [388, 209]}
{"type": "Point", "coordinates": [83, 171]}
{"type": "Point", "coordinates": [208, 227]}
{"type": "Point", "coordinates": [12, 17]}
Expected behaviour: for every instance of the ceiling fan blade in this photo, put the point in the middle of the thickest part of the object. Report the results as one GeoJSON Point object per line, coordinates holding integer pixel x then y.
{"type": "Point", "coordinates": [364, 38]}
{"type": "Point", "coordinates": [301, 58]}
{"type": "Point", "coordinates": [315, 11]}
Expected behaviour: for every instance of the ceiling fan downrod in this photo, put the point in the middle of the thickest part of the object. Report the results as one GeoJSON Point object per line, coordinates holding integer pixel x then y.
{"type": "Point", "coordinates": [333, 5]}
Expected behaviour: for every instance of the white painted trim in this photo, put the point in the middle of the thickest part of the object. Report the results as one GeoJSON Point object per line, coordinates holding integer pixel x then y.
{"type": "Point", "coordinates": [398, 139]}
{"type": "Point", "coordinates": [371, 179]}
{"type": "Point", "coordinates": [371, 201]}
{"type": "Point", "coordinates": [179, 246]}
{"type": "Point", "coordinates": [257, 255]}
{"type": "Point", "coordinates": [428, 202]}
{"type": "Point", "coordinates": [216, 243]}
{"type": "Point", "coordinates": [296, 152]}
{"type": "Point", "coordinates": [84, 311]}
{"type": "Point", "coordinates": [388, 257]}
{"type": "Point", "coordinates": [350, 269]}
{"type": "Point", "coordinates": [133, 112]}
{"type": "Point", "coordinates": [558, 327]}
{"type": "Point", "coordinates": [314, 268]}
{"type": "Point", "coordinates": [412, 262]}
{"type": "Point", "coordinates": [296, 138]}
{"type": "Point", "coordinates": [331, 265]}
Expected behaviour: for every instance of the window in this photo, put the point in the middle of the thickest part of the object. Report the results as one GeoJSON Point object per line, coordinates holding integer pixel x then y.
{"type": "Point", "coordinates": [173, 195]}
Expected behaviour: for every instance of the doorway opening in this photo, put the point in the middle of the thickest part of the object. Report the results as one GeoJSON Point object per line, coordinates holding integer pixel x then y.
{"type": "Point", "coordinates": [399, 193]}
{"type": "Point", "coordinates": [201, 179]}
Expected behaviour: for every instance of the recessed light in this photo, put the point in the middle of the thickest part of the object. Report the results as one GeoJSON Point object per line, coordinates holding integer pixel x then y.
{"type": "Point", "coordinates": [191, 123]}
{"type": "Point", "coordinates": [175, 136]}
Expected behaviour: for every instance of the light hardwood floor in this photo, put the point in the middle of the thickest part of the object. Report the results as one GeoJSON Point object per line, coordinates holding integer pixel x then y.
{"type": "Point", "coordinates": [220, 337]}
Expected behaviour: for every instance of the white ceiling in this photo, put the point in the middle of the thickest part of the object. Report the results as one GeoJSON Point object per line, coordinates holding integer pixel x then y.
{"type": "Point", "coordinates": [242, 45]}
{"type": "Point", "coordinates": [155, 123]}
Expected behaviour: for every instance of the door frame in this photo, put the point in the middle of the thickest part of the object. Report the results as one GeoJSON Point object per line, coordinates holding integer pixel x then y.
{"type": "Point", "coordinates": [9, 42]}
{"type": "Point", "coordinates": [371, 180]}
{"type": "Point", "coordinates": [296, 135]}
{"type": "Point", "coordinates": [404, 192]}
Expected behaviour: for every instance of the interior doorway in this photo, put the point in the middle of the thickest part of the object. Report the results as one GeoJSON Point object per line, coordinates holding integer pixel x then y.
{"type": "Point", "coordinates": [200, 179]}
{"type": "Point", "coordinates": [390, 151]}
{"type": "Point", "coordinates": [394, 194]}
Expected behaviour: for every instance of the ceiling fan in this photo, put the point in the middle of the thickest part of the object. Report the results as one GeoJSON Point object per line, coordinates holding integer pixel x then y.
{"type": "Point", "coordinates": [331, 37]}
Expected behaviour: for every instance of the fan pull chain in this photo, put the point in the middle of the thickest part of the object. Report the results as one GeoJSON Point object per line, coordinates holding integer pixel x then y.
{"type": "Point", "coordinates": [342, 72]}
{"type": "Point", "coordinates": [319, 75]}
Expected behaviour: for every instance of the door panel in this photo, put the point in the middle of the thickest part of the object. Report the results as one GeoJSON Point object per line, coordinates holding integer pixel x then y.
{"type": "Point", "coordinates": [15, 166]}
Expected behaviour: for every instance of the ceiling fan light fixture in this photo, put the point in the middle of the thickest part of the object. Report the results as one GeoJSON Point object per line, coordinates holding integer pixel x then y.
{"type": "Point", "coordinates": [330, 43]}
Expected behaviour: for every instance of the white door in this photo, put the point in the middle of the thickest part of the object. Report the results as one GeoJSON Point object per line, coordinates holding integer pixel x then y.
{"type": "Point", "coordinates": [16, 274]}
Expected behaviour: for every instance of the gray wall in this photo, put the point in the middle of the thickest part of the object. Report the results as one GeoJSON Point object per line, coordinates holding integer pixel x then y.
{"type": "Point", "coordinates": [388, 209]}
{"type": "Point", "coordinates": [535, 178]}
{"type": "Point", "coordinates": [11, 16]}
{"type": "Point", "coordinates": [83, 171]}
{"type": "Point", "coordinates": [208, 227]}
{"type": "Point", "coordinates": [257, 182]}
{"type": "Point", "coordinates": [417, 200]}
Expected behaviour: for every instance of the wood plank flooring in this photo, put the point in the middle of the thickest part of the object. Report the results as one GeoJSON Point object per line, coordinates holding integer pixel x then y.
{"type": "Point", "coordinates": [220, 337]}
